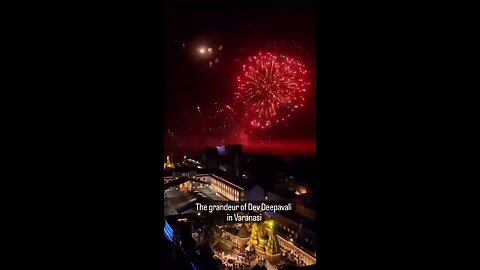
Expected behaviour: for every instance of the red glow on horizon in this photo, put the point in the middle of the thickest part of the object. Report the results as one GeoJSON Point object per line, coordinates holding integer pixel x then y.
{"type": "Point", "coordinates": [283, 147]}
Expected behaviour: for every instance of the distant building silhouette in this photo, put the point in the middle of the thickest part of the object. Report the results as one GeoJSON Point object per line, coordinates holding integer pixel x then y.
{"type": "Point", "coordinates": [228, 158]}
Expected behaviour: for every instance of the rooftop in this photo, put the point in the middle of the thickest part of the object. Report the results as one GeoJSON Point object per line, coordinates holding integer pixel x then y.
{"type": "Point", "coordinates": [184, 168]}
{"type": "Point", "coordinates": [230, 178]}
{"type": "Point", "coordinates": [297, 218]}
{"type": "Point", "coordinates": [243, 232]}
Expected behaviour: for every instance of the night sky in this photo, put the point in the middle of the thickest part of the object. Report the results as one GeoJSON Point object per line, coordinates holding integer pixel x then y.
{"type": "Point", "coordinates": [198, 86]}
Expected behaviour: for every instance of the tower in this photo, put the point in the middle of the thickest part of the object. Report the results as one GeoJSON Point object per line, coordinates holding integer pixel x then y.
{"type": "Point", "coordinates": [254, 236]}
{"type": "Point", "coordinates": [168, 164]}
{"type": "Point", "coordinates": [272, 245]}
{"type": "Point", "coordinates": [262, 242]}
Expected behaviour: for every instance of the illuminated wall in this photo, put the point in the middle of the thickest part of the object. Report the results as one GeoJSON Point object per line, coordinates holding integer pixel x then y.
{"type": "Point", "coordinates": [226, 190]}
{"type": "Point", "coordinates": [302, 255]}
{"type": "Point", "coordinates": [224, 187]}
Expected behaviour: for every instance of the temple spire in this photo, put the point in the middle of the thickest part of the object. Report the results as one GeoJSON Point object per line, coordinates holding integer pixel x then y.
{"type": "Point", "coordinates": [272, 245]}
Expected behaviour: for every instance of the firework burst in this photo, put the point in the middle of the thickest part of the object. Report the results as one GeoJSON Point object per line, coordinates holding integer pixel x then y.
{"type": "Point", "coordinates": [270, 88]}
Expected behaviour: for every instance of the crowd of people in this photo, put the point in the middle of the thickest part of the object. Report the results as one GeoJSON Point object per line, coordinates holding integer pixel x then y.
{"type": "Point", "coordinates": [295, 258]}
{"type": "Point", "coordinates": [235, 259]}
{"type": "Point", "coordinates": [237, 262]}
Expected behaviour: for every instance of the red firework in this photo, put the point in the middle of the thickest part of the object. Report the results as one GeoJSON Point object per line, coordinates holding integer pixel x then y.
{"type": "Point", "coordinates": [270, 88]}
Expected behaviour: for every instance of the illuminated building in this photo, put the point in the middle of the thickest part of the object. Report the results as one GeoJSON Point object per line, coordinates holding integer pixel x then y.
{"type": "Point", "coordinates": [184, 171]}
{"type": "Point", "coordinates": [291, 231]}
{"type": "Point", "coordinates": [226, 188]}
{"type": "Point", "coordinates": [272, 245]}
{"type": "Point", "coordinates": [253, 237]}
{"type": "Point", "coordinates": [231, 188]}
{"type": "Point", "coordinates": [297, 186]}
{"type": "Point", "coordinates": [168, 164]}
{"type": "Point", "coordinates": [299, 224]}
{"type": "Point", "coordinates": [187, 186]}
{"type": "Point", "coordinates": [264, 241]}
{"type": "Point", "coordinates": [240, 237]}
{"type": "Point", "coordinates": [286, 244]}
